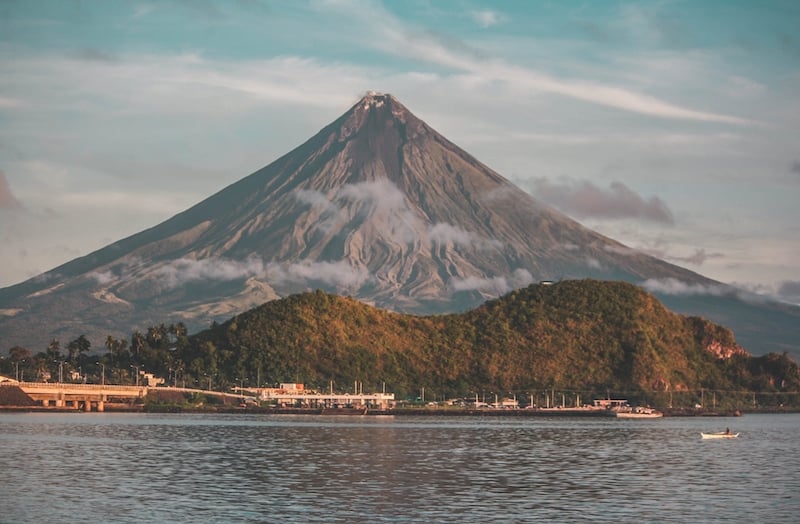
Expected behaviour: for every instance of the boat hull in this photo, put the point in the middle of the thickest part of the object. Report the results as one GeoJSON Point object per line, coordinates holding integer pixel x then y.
{"type": "Point", "coordinates": [622, 414]}
{"type": "Point", "coordinates": [706, 436]}
{"type": "Point", "coordinates": [636, 412]}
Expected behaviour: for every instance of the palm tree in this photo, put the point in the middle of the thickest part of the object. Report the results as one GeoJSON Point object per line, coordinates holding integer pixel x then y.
{"type": "Point", "coordinates": [54, 350]}
{"type": "Point", "coordinates": [78, 346]}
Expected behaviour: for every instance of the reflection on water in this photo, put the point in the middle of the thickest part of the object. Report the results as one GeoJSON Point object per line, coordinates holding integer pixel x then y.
{"type": "Point", "coordinates": [229, 468]}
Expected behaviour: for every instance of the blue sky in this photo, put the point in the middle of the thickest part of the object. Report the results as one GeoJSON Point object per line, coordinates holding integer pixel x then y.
{"type": "Point", "coordinates": [671, 126]}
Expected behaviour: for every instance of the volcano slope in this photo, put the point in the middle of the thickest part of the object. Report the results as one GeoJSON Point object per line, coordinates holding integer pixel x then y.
{"type": "Point", "coordinates": [377, 206]}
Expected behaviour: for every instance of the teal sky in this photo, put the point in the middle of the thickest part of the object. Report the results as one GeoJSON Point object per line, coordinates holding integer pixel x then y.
{"type": "Point", "coordinates": [668, 125]}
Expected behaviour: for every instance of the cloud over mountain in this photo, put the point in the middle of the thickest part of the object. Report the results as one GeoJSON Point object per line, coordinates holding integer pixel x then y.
{"type": "Point", "coordinates": [183, 270]}
{"type": "Point", "coordinates": [672, 286]}
{"type": "Point", "coordinates": [339, 274]}
{"type": "Point", "coordinates": [493, 285]}
{"type": "Point", "coordinates": [583, 199]}
{"type": "Point", "coordinates": [789, 290]}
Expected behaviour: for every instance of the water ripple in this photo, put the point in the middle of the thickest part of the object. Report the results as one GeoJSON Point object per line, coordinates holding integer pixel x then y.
{"type": "Point", "coordinates": [227, 468]}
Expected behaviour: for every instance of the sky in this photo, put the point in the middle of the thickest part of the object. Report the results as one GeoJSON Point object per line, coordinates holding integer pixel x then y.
{"type": "Point", "coordinates": [670, 126]}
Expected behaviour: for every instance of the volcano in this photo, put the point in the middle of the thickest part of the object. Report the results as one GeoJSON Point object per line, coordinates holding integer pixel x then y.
{"type": "Point", "coordinates": [378, 206]}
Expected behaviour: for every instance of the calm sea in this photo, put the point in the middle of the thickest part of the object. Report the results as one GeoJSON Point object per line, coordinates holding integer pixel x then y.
{"type": "Point", "coordinates": [104, 467]}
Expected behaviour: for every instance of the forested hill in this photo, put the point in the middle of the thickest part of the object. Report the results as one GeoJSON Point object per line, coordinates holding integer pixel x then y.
{"type": "Point", "coordinates": [582, 335]}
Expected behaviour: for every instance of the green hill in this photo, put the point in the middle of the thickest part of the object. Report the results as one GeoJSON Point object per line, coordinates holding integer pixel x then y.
{"type": "Point", "coordinates": [580, 335]}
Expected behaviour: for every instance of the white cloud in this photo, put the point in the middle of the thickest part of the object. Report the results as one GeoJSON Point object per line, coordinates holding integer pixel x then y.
{"type": "Point", "coordinates": [493, 285]}
{"type": "Point", "coordinates": [789, 291]}
{"type": "Point", "coordinates": [316, 199]}
{"type": "Point", "coordinates": [182, 271]}
{"type": "Point", "coordinates": [673, 286]}
{"type": "Point", "coordinates": [391, 35]}
{"type": "Point", "coordinates": [593, 263]}
{"type": "Point", "coordinates": [698, 258]}
{"type": "Point", "coordinates": [384, 201]}
{"type": "Point", "coordinates": [380, 200]}
{"type": "Point", "coordinates": [486, 17]}
{"type": "Point", "coordinates": [753, 294]}
{"type": "Point", "coordinates": [444, 233]}
{"type": "Point", "coordinates": [102, 277]}
{"type": "Point", "coordinates": [381, 194]}
{"type": "Point", "coordinates": [177, 273]}
{"type": "Point", "coordinates": [339, 274]}
{"type": "Point", "coordinates": [137, 86]}
{"type": "Point", "coordinates": [741, 87]}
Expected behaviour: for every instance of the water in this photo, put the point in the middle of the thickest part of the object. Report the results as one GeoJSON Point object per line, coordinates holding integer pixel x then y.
{"type": "Point", "coordinates": [105, 467]}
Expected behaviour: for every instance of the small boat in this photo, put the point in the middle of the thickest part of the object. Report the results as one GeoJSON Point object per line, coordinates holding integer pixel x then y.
{"type": "Point", "coordinates": [719, 434]}
{"type": "Point", "coordinates": [637, 412]}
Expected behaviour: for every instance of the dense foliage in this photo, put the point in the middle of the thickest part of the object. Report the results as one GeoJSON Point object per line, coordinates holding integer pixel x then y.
{"type": "Point", "coordinates": [588, 337]}
{"type": "Point", "coordinates": [576, 335]}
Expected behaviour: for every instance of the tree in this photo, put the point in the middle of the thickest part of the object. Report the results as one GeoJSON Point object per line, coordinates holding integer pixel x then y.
{"type": "Point", "coordinates": [19, 353]}
{"type": "Point", "coordinates": [118, 348]}
{"type": "Point", "coordinates": [54, 350]}
{"type": "Point", "coordinates": [79, 346]}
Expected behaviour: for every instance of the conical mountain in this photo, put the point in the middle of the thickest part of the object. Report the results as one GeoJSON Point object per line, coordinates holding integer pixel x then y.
{"type": "Point", "coordinates": [377, 205]}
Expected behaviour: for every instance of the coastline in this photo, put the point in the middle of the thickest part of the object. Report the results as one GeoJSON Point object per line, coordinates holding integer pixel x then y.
{"type": "Point", "coordinates": [14, 400]}
{"type": "Point", "coordinates": [400, 412]}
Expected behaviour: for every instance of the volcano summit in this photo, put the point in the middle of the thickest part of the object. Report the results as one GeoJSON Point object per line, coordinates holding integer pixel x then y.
{"type": "Point", "coordinates": [377, 205]}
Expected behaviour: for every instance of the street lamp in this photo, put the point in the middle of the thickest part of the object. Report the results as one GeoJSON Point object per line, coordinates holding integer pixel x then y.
{"type": "Point", "coordinates": [137, 373]}
{"type": "Point", "coordinates": [17, 365]}
{"type": "Point", "coordinates": [60, 371]}
{"type": "Point", "coordinates": [103, 380]}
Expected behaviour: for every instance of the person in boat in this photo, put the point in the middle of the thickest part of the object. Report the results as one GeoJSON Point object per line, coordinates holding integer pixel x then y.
{"type": "Point", "coordinates": [727, 431]}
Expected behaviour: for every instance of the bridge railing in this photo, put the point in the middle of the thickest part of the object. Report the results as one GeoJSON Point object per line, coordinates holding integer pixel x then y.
{"type": "Point", "coordinates": [70, 385]}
